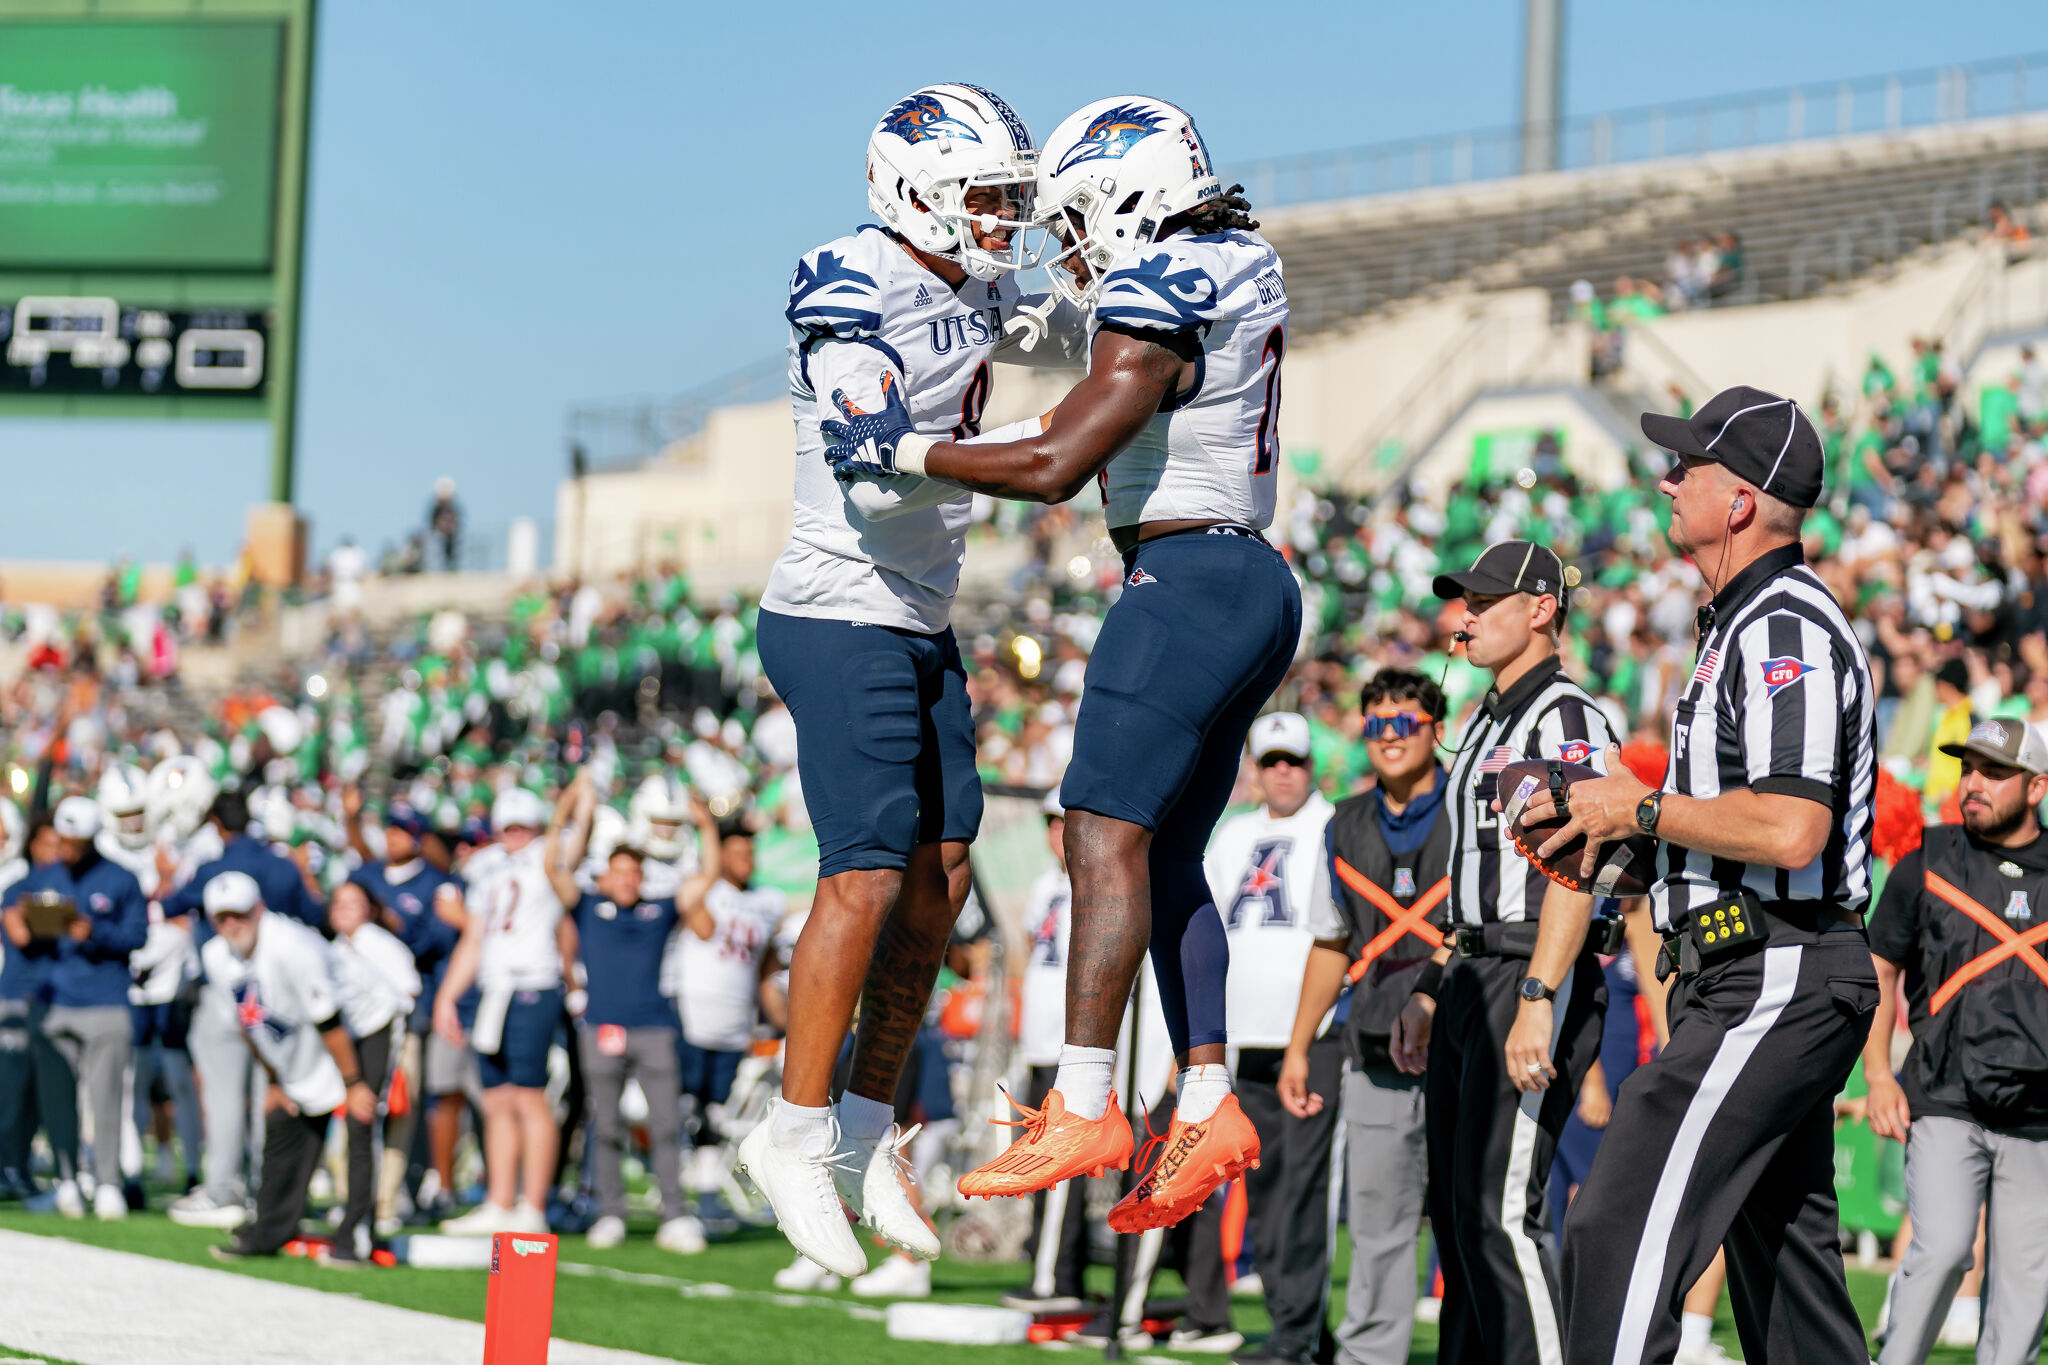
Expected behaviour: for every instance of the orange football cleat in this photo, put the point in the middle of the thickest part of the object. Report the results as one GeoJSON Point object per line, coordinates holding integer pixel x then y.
{"type": "Point", "coordinates": [1056, 1146]}
{"type": "Point", "coordinates": [1194, 1160]}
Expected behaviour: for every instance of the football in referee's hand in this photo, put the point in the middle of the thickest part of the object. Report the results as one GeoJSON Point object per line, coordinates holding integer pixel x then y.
{"type": "Point", "coordinates": [1626, 867]}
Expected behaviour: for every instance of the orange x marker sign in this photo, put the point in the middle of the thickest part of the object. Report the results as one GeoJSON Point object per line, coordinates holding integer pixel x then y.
{"type": "Point", "coordinates": [1413, 919]}
{"type": "Point", "coordinates": [2010, 943]}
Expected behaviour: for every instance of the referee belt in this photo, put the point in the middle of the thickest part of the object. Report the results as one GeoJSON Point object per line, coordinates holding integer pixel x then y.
{"type": "Point", "coordinates": [1781, 922]}
{"type": "Point", "coordinates": [1518, 939]}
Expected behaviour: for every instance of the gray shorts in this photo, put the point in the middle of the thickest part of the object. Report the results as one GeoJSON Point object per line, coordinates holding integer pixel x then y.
{"type": "Point", "coordinates": [450, 1070]}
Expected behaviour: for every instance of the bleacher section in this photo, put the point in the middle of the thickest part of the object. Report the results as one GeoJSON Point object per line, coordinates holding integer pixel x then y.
{"type": "Point", "coordinates": [1812, 217]}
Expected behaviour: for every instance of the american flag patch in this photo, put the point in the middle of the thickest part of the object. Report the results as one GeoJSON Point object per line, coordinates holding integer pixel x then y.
{"type": "Point", "coordinates": [1708, 662]}
{"type": "Point", "coordinates": [1498, 759]}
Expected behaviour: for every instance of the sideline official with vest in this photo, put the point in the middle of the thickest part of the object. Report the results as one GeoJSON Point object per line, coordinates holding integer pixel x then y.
{"type": "Point", "coordinates": [1959, 926]}
{"type": "Point", "coordinates": [1388, 853]}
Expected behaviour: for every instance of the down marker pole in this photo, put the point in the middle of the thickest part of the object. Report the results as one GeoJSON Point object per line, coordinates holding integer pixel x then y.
{"type": "Point", "coordinates": [519, 1315]}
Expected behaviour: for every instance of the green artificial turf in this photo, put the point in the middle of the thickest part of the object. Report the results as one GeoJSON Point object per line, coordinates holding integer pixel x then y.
{"type": "Point", "coordinates": [9, 1355]}
{"type": "Point", "coordinates": [739, 1319]}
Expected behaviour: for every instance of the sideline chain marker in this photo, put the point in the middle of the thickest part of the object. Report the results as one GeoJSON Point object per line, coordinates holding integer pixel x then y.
{"type": "Point", "coordinates": [519, 1314]}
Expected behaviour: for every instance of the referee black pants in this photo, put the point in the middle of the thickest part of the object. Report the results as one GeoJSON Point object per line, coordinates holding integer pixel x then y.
{"type": "Point", "coordinates": [1287, 1199]}
{"type": "Point", "coordinates": [1728, 1137]}
{"type": "Point", "coordinates": [1490, 1153]}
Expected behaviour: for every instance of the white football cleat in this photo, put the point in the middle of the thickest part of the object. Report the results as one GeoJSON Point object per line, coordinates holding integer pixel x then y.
{"type": "Point", "coordinates": [527, 1219]}
{"type": "Point", "coordinates": [682, 1234]}
{"type": "Point", "coordinates": [200, 1209]}
{"type": "Point", "coordinates": [109, 1205]}
{"type": "Point", "coordinates": [876, 1183]}
{"type": "Point", "coordinates": [482, 1221]}
{"type": "Point", "coordinates": [805, 1273]}
{"type": "Point", "coordinates": [606, 1233]}
{"type": "Point", "coordinates": [802, 1192]}
{"type": "Point", "coordinates": [70, 1202]}
{"type": "Point", "coordinates": [897, 1277]}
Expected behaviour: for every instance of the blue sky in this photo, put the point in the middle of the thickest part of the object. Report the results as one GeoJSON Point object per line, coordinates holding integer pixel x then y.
{"type": "Point", "coordinates": [514, 210]}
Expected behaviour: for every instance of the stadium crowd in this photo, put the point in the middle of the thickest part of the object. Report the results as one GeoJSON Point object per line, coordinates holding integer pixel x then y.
{"type": "Point", "coordinates": [335, 780]}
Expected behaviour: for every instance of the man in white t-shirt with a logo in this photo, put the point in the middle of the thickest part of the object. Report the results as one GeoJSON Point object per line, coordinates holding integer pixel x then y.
{"type": "Point", "coordinates": [726, 943]}
{"type": "Point", "coordinates": [1060, 1234]}
{"type": "Point", "coordinates": [1267, 870]}
{"type": "Point", "coordinates": [292, 1009]}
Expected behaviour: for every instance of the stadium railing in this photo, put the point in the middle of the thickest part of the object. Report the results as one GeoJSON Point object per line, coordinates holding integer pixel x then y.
{"type": "Point", "coordinates": [1797, 113]}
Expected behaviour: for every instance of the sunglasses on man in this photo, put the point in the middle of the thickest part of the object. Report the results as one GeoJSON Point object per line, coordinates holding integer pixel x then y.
{"type": "Point", "coordinates": [1397, 726]}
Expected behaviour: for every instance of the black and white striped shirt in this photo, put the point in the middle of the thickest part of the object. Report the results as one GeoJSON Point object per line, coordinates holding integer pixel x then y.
{"type": "Point", "coordinates": [1543, 715]}
{"type": "Point", "coordinates": [1780, 701]}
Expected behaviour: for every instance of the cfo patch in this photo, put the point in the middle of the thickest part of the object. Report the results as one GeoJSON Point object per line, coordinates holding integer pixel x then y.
{"type": "Point", "coordinates": [1780, 673]}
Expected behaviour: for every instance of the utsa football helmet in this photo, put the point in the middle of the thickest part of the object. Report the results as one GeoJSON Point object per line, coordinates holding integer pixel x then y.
{"type": "Point", "coordinates": [660, 812]}
{"type": "Point", "coordinates": [1109, 175]}
{"type": "Point", "coordinates": [123, 795]}
{"type": "Point", "coordinates": [929, 151]}
{"type": "Point", "coordinates": [181, 792]}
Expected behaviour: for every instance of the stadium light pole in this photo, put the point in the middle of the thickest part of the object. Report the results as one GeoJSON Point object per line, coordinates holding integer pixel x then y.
{"type": "Point", "coordinates": [1542, 85]}
{"type": "Point", "coordinates": [291, 237]}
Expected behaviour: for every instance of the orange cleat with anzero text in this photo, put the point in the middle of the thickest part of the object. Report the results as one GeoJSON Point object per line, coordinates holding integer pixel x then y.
{"type": "Point", "coordinates": [1194, 1159]}
{"type": "Point", "coordinates": [1056, 1146]}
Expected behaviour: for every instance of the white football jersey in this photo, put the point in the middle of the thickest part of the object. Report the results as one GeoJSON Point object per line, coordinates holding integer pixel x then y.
{"type": "Point", "coordinates": [719, 989]}
{"type": "Point", "coordinates": [1049, 919]}
{"type": "Point", "coordinates": [281, 993]}
{"type": "Point", "coordinates": [521, 914]}
{"type": "Point", "coordinates": [1268, 876]}
{"type": "Point", "coordinates": [882, 550]}
{"type": "Point", "coordinates": [1215, 454]}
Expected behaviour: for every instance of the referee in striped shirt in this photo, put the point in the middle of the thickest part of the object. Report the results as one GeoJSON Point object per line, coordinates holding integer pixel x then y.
{"type": "Point", "coordinates": [1765, 814]}
{"type": "Point", "coordinates": [1504, 1025]}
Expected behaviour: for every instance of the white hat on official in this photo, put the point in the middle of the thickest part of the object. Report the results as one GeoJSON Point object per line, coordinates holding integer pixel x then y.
{"type": "Point", "coordinates": [231, 893]}
{"type": "Point", "coordinates": [1283, 732]}
{"type": "Point", "coordinates": [78, 817]}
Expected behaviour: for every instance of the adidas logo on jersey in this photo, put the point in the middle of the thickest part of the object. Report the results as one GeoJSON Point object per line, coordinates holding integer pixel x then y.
{"type": "Point", "coordinates": [923, 298]}
{"type": "Point", "coordinates": [1139, 576]}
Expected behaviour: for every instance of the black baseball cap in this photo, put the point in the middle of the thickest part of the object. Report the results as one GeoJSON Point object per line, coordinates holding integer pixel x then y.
{"type": "Point", "coordinates": [1511, 566]}
{"type": "Point", "coordinates": [1759, 437]}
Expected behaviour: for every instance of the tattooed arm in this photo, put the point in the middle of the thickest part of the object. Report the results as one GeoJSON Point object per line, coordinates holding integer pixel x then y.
{"type": "Point", "coordinates": [1128, 378]}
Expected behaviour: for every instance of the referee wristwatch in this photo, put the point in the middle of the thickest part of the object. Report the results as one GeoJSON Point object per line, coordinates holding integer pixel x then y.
{"type": "Point", "coordinates": [1533, 990]}
{"type": "Point", "coordinates": [1649, 810]}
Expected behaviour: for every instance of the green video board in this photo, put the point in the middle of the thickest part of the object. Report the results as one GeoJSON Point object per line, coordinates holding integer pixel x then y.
{"type": "Point", "coordinates": [139, 145]}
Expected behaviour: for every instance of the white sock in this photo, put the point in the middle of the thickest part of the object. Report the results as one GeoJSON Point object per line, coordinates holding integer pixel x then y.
{"type": "Point", "coordinates": [863, 1118]}
{"type": "Point", "coordinates": [1202, 1091]}
{"type": "Point", "coordinates": [1083, 1079]}
{"type": "Point", "coordinates": [806, 1129]}
{"type": "Point", "coordinates": [1695, 1331]}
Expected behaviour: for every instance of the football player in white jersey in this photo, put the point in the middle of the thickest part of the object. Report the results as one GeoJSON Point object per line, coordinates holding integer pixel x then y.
{"type": "Point", "coordinates": [854, 634]}
{"type": "Point", "coordinates": [517, 949]}
{"type": "Point", "coordinates": [1178, 417]}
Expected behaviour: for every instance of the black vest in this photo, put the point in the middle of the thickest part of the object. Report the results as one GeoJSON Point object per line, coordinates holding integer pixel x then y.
{"type": "Point", "coordinates": [1379, 996]}
{"type": "Point", "coordinates": [1984, 1053]}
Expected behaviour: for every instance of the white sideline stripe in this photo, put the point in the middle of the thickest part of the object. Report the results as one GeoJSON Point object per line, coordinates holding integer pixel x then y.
{"type": "Point", "coordinates": [1738, 1045]}
{"type": "Point", "coordinates": [1514, 1198]}
{"type": "Point", "coordinates": [101, 1307]}
{"type": "Point", "coordinates": [711, 1289]}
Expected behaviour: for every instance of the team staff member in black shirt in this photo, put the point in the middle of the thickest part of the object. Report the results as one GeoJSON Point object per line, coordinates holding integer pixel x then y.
{"type": "Point", "coordinates": [1959, 921]}
{"type": "Point", "coordinates": [1765, 814]}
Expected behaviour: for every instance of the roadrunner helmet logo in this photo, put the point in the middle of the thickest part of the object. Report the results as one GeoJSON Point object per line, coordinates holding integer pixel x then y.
{"type": "Point", "coordinates": [921, 118]}
{"type": "Point", "coordinates": [1112, 133]}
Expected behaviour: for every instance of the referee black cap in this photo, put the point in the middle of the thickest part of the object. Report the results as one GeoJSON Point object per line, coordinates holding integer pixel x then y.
{"type": "Point", "coordinates": [1761, 438]}
{"type": "Point", "coordinates": [1511, 566]}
